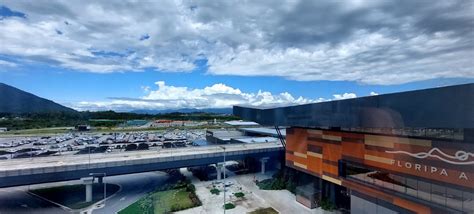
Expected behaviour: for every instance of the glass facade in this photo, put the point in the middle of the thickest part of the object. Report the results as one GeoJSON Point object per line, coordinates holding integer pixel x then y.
{"type": "Point", "coordinates": [459, 199]}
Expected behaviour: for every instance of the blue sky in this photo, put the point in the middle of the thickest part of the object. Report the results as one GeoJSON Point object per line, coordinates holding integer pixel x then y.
{"type": "Point", "coordinates": [93, 56]}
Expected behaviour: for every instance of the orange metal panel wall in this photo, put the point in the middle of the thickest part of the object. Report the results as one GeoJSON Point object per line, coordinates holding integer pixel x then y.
{"type": "Point", "coordinates": [318, 152]}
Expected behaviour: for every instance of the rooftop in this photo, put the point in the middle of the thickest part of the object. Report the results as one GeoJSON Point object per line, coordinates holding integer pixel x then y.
{"type": "Point", "coordinates": [448, 107]}
{"type": "Point", "coordinates": [241, 123]}
{"type": "Point", "coordinates": [264, 131]}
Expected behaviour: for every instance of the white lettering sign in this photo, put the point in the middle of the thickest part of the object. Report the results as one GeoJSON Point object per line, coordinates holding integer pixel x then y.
{"type": "Point", "coordinates": [459, 158]}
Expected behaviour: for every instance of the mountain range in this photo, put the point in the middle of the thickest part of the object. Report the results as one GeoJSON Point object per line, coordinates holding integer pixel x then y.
{"type": "Point", "coordinates": [14, 100]}
{"type": "Point", "coordinates": [184, 110]}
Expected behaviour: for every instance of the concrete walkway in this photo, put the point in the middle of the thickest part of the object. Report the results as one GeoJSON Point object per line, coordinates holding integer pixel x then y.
{"type": "Point", "coordinates": [281, 200]}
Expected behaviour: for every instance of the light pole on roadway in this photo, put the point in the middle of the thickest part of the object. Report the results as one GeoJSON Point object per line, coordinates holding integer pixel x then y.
{"type": "Point", "coordinates": [223, 147]}
{"type": "Point", "coordinates": [105, 188]}
{"type": "Point", "coordinates": [103, 175]}
{"type": "Point", "coordinates": [89, 156]}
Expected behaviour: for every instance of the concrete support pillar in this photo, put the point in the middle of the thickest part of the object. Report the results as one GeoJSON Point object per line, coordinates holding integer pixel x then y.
{"type": "Point", "coordinates": [219, 167]}
{"type": "Point", "coordinates": [262, 163]}
{"type": "Point", "coordinates": [88, 182]}
{"type": "Point", "coordinates": [100, 179]}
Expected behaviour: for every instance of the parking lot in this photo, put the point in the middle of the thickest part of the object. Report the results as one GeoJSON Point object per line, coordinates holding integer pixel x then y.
{"type": "Point", "coordinates": [84, 143]}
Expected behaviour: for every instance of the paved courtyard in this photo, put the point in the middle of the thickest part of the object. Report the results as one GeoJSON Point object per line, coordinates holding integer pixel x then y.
{"type": "Point", "coordinates": [281, 200]}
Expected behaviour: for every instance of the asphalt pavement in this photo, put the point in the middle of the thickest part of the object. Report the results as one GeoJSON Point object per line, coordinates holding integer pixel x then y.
{"type": "Point", "coordinates": [133, 187]}
{"type": "Point", "coordinates": [16, 200]}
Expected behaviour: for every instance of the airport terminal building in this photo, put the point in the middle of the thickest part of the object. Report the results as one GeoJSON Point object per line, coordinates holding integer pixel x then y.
{"type": "Point", "coordinates": [409, 152]}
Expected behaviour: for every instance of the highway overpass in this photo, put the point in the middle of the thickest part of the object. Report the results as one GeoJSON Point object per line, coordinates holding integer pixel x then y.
{"type": "Point", "coordinates": [16, 172]}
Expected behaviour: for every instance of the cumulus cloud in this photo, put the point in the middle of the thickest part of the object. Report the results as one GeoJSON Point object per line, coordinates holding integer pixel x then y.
{"type": "Point", "coordinates": [216, 96]}
{"type": "Point", "coordinates": [344, 96]}
{"type": "Point", "coordinates": [373, 93]}
{"type": "Point", "coordinates": [370, 42]}
{"type": "Point", "coordinates": [7, 63]}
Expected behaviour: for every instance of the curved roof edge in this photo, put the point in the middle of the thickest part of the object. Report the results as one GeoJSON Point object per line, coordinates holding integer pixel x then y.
{"type": "Point", "coordinates": [443, 107]}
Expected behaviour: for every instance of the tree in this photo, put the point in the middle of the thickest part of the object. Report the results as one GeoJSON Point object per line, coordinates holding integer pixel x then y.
{"type": "Point", "coordinates": [143, 146]}
{"type": "Point", "coordinates": [131, 147]}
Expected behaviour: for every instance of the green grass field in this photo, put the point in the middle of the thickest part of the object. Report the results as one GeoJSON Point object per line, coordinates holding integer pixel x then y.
{"type": "Point", "coordinates": [267, 210]}
{"type": "Point", "coordinates": [73, 196]}
{"type": "Point", "coordinates": [63, 130]}
{"type": "Point", "coordinates": [36, 132]}
{"type": "Point", "coordinates": [161, 202]}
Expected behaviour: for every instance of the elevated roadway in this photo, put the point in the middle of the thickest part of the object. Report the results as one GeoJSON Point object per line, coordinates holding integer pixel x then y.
{"type": "Point", "coordinates": [16, 172]}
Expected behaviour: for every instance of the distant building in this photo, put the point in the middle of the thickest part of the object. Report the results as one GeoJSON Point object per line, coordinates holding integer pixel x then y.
{"type": "Point", "coordinates": [136, 122]}
{"type": "Point", "coordinates": [248, 140]}
{"type": "Point", "coordinates": [83, 128]}
{"type": "Point", "coordinates": [221, 136]}
{"type": "Point", "coordinates": [3, 129]}
{"type": "Point", "coordinates": [263, 131]}
{"type": "Point", "coordinates": [241, 123]}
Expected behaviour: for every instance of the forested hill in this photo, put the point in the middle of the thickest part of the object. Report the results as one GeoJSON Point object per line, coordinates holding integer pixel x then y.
{"type": "Point", "coordinates": [16, 101]}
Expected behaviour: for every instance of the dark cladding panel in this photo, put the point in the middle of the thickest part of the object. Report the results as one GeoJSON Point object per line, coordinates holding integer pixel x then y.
{"type": "Point", "coordinates": [445, 107]}
{"type": "Point", "coordinates": [452, 106]}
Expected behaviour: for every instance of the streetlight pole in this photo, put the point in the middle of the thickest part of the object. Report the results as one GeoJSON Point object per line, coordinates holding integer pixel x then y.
{"type": "Point", "coordinates": [223, 147]}
{"type": "Point", "coordinates": [105, 188]}
{"type": "Point", "coordinates": [89, 156]}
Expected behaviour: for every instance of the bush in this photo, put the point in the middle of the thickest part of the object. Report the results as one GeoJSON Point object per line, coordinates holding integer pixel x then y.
{"type": "Point", "coordinates": [181, 184]}
{"type": "Point", "coordinates": [194, 199]}
{"type": "Point", "coordinates": [239, 194]}
{"type": "Point", "coordinates": [215, 191]}
{"type": "Point", "coordinates": [267, 210]}
{"type": "Point", "coordinates": [143, 146]}
{"type": "Point", "coordinates": [131, 147]}
{"type": "Point", "coordinates": [327, 205]}
{"type": "Point", "coordinates": [190, 188]}
{"type": "Point", "coordinates": [283, 179]}
{"type": "Point", "coordinates": [229, 206]}
{"type": "Point", "coordinates": [272, 184]}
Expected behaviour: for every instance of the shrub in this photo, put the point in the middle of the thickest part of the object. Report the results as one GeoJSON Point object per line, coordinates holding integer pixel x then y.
{"type": "Point", "coordinates": [194, 199]}
{"type": "Point", "coordinates": [271, 184]}
{"type": "Point", "coordinates": [283, 179]}
{"type": "Point", "coordinates": [239, 194]}
{"type": "Point", "coordinates": [190, 188]}
{"type": "Point", "coordinates": [327, 205]}
{"type": "Point", "coordinates": [215, 191]}
{"type": "Point", "coordinates": [131, 147]}
{"type": "Point", "coordinates": [229, 206]}
{"type": "Point", "coordinates": [267, 210]}
{"type": "Point", "coordinates": [179, 185]}
{"type": "Point", "coordinates": [143, 146]}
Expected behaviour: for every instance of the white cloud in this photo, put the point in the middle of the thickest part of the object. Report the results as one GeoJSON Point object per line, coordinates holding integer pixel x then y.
{"type": "Point", "coordinates": [373, 93]}
{"type": "Point", "coordinates": [146, 89]}
{"type": "Point", "coordinates": [216, 96]}
{"type": "Point", "coordinates": [7, 63]}
{"type": "Point", "coordinates": [344, 96]}
{"type": "Point", "coordinates": [371, 42]}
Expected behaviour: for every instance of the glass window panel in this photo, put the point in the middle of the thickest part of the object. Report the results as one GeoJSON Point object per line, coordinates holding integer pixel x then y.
{"type": "Point", "coordinates": [454, 198]}
{"type": "Point", "coordinates": [388, 181]}
{"type": "Point", "coordinates": [438, 194]}
{"type": "Point", "coordinates": [399, 184]}
{"type": "Point", "coordinates": [412, 185]}
{"type": "Point", "coordinates": [424, 190]}
{"type": "Point", "coordinates": [468, 202]}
